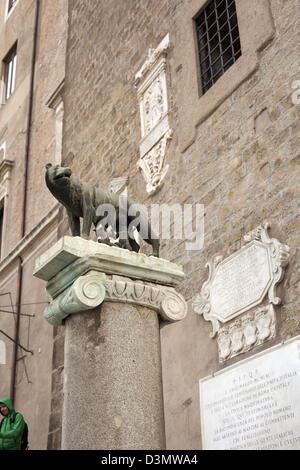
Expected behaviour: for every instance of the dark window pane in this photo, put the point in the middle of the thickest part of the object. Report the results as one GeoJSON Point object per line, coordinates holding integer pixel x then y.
{"type": "Point", "coordinates": [10, 63]}
{"type": "Point", "coordinates": [218, 40]}
{"type": "Point", "coordinates": [11, 3]}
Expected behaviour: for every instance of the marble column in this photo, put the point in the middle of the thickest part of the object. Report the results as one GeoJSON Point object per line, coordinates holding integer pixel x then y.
{"type": "Point", "coordinates": [111, 302]}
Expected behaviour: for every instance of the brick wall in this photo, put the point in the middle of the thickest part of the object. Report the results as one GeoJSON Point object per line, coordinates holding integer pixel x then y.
{"type": "Point", "coordinates": [54, 436]}
{"type": "Point", "coordinates": [50, 71]}
{"type": "Point", "coordinates": [33, 375]}
{"type": "Point", "coordinates": [243, 165]}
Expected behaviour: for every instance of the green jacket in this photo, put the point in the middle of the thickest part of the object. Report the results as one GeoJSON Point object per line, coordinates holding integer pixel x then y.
{"type": "Point", "coordinates": [11, 433]}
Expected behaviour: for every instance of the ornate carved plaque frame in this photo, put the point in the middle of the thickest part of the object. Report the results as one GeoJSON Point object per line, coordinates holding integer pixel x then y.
{"type": "Point", "coordinates": [240, 282]}
{"type": "Point", "coordinates": [246, 332]}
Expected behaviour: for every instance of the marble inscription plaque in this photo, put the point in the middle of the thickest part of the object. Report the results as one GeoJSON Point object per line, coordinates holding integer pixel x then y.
{"type": "Point", "coordinates": [255, 404]}
{"type": "Point", "coordinates": [241, 281]}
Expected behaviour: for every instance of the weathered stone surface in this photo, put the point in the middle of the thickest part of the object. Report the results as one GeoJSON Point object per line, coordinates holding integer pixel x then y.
{"type": "Point", "coordinates": [108, 259]}
{"type": "Point", "coordinates": [254, 405]}
{"type": "Point", "coordinates": [86, 280]}
{"type": "Point", "coordinates": [114, 400]}
{"type": "Point", "coordinates": [247, 332]}
{"type": "Point", "coordinates": [240, 282]}
{"type": "Point", "coordinates": [101, 136]}
{"type": "Point", "coordinates": [83, 200]}
{"type": "Point", "coordinates": [112, 396]}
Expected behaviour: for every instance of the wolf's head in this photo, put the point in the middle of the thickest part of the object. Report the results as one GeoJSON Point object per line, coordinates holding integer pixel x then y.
{"type": "Point", "coordinates": [57, 176]}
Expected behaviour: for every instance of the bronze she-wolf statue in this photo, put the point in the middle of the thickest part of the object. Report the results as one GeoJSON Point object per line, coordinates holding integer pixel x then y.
{"type": "Point", "coordinates": [83, 199]}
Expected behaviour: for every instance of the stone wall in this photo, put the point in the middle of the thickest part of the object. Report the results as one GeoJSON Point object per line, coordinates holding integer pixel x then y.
{"type": "Point", "coordinates": [243, 165]}
{"type": "Point", "coordinates": [50, 72]}
{"type": "Point", "coordinates": [13, 114]}
{"type": "Point", "coordinates": [54, 436]}
{"type": "Point", "coordinates": [33, 371]}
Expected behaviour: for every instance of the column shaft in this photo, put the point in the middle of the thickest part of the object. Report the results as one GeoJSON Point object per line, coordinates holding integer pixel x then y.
{"type": "Point", "coordinates": [113, 386]}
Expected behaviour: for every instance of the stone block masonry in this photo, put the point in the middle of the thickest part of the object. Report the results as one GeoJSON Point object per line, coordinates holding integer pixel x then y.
{"type": "Point", "coordinates": [243, 165]}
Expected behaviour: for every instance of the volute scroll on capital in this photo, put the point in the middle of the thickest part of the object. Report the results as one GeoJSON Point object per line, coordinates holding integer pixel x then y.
{"type": "Point", "coordinates": [91, 290]}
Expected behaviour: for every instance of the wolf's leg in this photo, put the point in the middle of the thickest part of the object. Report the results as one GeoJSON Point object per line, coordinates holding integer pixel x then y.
{"type": "Point", "coordinates": [134, 245]}
{"type": "Point", "coordinates": [153, 240]}
{"type": "Point", "coordinates": [124, 243]}
{"type": "Point", "coordinates": [74, 224]}
{"type": "Point", "coordinates": [155, 245]}
{"type": "Point", "coordinates": [88, 215]}
{"type": "Point", "coordinates": [124, 240]}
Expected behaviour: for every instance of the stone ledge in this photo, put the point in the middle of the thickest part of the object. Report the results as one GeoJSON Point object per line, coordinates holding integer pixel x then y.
{"type": "Point", "coordinates": [30, 238]}
{"type": "Point", "coordinates": [107, 259]}
{"type": "Point", "coordinates": [82, 274]}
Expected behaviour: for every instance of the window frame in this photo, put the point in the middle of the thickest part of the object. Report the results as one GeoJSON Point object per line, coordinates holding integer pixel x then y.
{"type": "Point", "coordinates": [9, 73]}
{"type": "Point", "coordinates": [10, 8]}
{"type": "Point", "coordinates": [256, 28]}
{"type": "Point", "coordinates": [212, 58]}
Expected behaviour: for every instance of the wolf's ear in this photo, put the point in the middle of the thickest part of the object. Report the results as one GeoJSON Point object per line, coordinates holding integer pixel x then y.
{"type": "Point", "coordinates": [49, 165]}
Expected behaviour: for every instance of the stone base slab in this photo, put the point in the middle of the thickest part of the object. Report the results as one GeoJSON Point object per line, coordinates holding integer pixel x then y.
{"type": "Point", "coordinates": [107, 259]}
{"type": "Point", "coordinates": [82, 274]}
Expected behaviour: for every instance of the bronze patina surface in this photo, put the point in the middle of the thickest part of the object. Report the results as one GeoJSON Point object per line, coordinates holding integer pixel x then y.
{"type": "Point", "coordinates": [83, 199]}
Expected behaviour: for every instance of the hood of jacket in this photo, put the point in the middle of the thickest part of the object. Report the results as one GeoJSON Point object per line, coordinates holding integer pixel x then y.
{"type": "Point", "coordinates": [9, 404]}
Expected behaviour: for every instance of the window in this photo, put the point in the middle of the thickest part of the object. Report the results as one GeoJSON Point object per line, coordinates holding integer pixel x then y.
{"type": "Point", "coordinates": [218, 39]}
{"type": "Point", "coordinates": [11, 4]}
{"type": "Point", "coordinates": [10, 63]}
{"type": "Point", "coordinates": [256, 30]}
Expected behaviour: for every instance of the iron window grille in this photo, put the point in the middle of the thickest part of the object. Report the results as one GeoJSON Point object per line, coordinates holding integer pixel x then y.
{"type": "Point", "coordinates": [10, 65]}
{"type": "Point", "coordinates": [218, 40]}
